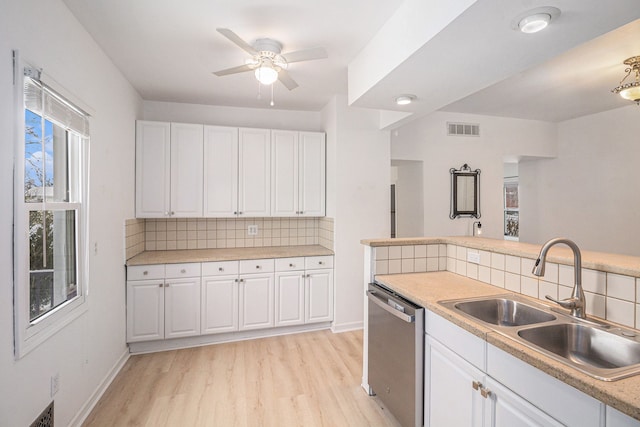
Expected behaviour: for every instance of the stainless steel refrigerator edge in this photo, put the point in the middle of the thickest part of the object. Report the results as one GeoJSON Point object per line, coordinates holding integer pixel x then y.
{"type": "Point", "coordinates": [396, 354]}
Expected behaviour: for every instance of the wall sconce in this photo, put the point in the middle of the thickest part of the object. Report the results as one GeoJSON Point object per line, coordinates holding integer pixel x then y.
{"type": "Point", "coordinates": [477, 228]}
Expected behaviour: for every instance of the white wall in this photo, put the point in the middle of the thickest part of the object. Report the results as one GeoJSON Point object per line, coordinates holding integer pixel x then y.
{"type": "Point", "coordinates": [589, 193]}
{"type": "Point", "coordinates": [409, 198]}
{"type": "Point", "coordinates": [270, 118]}
{"type": "Point", "coordinates": [426, 139]}
{"type": "Point", "coordinates": [359, 162]}
{"type": "Point", "coordinates": [85, 351]}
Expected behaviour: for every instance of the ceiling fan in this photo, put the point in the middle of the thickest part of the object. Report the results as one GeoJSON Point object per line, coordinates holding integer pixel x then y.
{"type": "Point", "coordinates": [267, 61]}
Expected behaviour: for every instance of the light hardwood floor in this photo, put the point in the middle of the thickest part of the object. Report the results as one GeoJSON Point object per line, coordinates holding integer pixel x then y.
{"type": "Point", "coordinates": [309, 379]}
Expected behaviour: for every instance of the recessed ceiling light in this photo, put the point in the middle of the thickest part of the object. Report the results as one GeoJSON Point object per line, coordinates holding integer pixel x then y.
{"type": "Point", "coordinates": [535, 20]}
{"type": "Point", "coordinates": [405, 99]}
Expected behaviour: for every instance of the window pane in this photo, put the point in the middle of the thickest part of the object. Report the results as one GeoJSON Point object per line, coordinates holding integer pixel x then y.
{"type": "Point", "coordinates": [53, 275]}
{"type": "Point", "coordinates": [46, 160]}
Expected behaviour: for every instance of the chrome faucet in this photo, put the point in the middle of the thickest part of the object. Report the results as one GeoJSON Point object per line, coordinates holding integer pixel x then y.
{"type": "Point", "coordinates": [576, 303]}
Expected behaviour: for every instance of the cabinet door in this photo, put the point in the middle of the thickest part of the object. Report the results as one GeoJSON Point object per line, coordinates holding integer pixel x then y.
{"type": "Point", "coordinates": [221, 171]}
{"type": "Point", "coordinates": [145, 310]}
{"type": "Point", "coordinates": [289, 298]}
{"type": "Point", "coordinates": [186, 170]}
{"type": "Point", "coordinates": [507, 409]}
{"type": "Point", "coordinates": [256, 301]}
{"type": "Point", "coordinates": [254, 172]}
{"type": "Point", "coordinates": [312, 175]}
{"type": "Point", "coordinates": [319, 296]}
{"type": "Point", "coordinates": [219, 304]}
{"type": "Point", "coordinates": [153, 162]}
{"type": "Point", "coordinates": [182, 307]}
{"type": "Point", "coordinates": [284, 173]}
{"type": "Point", "coordinates": [452, 399]}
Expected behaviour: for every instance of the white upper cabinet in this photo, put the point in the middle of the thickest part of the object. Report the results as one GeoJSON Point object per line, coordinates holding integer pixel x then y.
{"type": "Point", "coordinates": [186, 170]}
{"type": "Point", "coordinates": [254, 172]}
{"type": "Point", "coordinates": [169, 170]}
{"type": "Point", "coordinates": [297, 173]}
{"type": "Point", "coordinates": [153, 163]}
{"type": "Point", "coordinates": [192, 171]}
{"type": "Point", "coordinates": [312, 178]}
{"type": "Point", "coordinates": [221, 171]}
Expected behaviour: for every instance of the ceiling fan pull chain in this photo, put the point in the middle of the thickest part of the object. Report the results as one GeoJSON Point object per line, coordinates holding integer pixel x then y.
{"type": "Point", "coordinates": [272, 104]}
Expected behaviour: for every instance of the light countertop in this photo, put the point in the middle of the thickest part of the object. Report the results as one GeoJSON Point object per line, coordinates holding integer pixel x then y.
{"type": "Point", "coordinates": [612, 263]}
{"type": "Point", "coordinates": [208, 255]}
{"type": "Point", "coordinates": [426, 289]}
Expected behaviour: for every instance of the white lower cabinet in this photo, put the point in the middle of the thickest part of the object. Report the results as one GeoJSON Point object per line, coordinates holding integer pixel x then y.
{"type": "Point", "coordinates": [182, 300]}
{"type": "Point", "coordinates": [481, 385]}
{"type": "Point", "coordinates": [167, 305]}
{"type": "Point", "coordinates": [451, 398]}
{"type": "Point", "coordinates": [304, 290]}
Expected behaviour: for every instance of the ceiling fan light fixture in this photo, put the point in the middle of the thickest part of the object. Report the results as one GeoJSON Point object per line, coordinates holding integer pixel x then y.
{"type": "Point", "coordinates": [266, 75]}
{"type": "Point", "coordinates": [405, 99]}
{"type": "Point", "coordinates": [631, 90]}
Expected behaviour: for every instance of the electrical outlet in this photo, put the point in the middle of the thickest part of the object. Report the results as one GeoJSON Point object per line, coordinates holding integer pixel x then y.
{"type": "Point", "coordinates": [253, 230]}
{"type": "Point", "coordinates": [55, 383]}
{"type": "Point", "coordinates": [473, 257]}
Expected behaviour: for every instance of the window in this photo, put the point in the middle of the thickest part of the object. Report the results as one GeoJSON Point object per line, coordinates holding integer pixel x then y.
{"type": "Point", "coordinates": [50, 213]}
{"type": "Point", "coordinates": [511, 209]}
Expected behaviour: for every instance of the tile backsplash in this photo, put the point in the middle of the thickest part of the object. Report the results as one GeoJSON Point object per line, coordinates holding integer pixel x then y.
{"type": "Point", "coordinates": [610, 296]}
{"type": "Point", "coordinates": [214, 233]}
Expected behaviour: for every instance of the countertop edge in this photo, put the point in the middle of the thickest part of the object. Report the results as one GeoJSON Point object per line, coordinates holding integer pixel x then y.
{"type": "Point", "coordinates": [231, 254]}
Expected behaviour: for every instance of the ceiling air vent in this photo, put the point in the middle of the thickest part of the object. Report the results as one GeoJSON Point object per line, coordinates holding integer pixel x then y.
{"type": "Point", "coordinates": [463, 129]}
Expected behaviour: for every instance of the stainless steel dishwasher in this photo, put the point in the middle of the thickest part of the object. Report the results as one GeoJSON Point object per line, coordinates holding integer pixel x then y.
{"type": "Point", "coordinates": [396, 354]}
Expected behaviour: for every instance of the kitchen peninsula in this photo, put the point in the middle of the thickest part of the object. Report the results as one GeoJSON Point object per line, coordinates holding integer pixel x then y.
{"type": "Point", "coordinates": [429, 270]}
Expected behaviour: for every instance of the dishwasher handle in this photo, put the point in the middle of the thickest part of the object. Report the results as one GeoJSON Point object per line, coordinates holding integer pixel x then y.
{"type": "Point", "coordinates": [409, 318]}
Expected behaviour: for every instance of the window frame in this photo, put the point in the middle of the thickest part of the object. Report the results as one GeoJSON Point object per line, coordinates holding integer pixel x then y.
{"type": "Point", "coordinates": [29, 334]}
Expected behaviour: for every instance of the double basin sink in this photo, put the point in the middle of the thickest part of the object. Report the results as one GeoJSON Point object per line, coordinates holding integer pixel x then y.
{"type": "Point", "coordinates": [602, 350]}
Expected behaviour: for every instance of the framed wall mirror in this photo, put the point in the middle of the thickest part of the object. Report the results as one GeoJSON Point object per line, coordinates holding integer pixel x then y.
{"type": "Point", "coordinates": [465, 192]}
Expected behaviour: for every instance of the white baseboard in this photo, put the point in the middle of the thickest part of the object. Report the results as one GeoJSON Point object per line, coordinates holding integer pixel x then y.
{"type": "Point", "coordinates": [88, 406]}
{"type": "Point", "coordinates": [346, 327]}
{"type": "Point", "coordinates": [201, 340]}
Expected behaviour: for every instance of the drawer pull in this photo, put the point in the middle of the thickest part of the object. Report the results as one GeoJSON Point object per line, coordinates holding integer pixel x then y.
{"type": "Point", "coordinates": [183, 271]}
{"type": "Point", "coordinates": [144, 273]}
{"type": "Point", "coordinates": [220, 269]}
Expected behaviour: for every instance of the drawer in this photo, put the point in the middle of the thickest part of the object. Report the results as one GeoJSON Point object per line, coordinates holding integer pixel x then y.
{"type": "Point", "coordinates": [289, 264]}
{"type": "Point", "coordinates": [175, 271]}
{"type": "Point", "coordinates": [248, 266]}
{"type": "Point", "coordinates": [145, 272]}
{"type": "Point", "coordinates": [315, 262]}
{"type": "Point", "coordinates": [220, 268]}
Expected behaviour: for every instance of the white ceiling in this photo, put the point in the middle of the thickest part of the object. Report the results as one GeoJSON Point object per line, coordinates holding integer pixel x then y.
{"type": "Point", "coordinates": [477, 64]}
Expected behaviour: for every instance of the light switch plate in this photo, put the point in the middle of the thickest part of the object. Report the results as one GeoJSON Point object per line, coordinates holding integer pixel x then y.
{"type": "Point", "coordinates": [473, 257]}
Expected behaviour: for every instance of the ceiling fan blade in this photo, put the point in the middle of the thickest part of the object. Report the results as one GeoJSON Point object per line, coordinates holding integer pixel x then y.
{"type": "Point", "coordinates": [237, 40]}
{"type": "Point", "coordinates": [233, 70]}
{"type": "Point", "coordinates": [286, 80]}
{"type": "Point", "coordinates": [306, 55]}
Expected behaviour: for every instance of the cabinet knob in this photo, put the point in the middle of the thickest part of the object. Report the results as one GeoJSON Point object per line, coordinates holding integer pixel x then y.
{"type": "Point", "coordinates": [320, 263]}
{"type": "Point", "coordinates": [258, 267]}
{"type": "Point", "coordinates": [291, 265]}
{"type": "Point", "coordinates": [144, 273]}
{"type": "Point", "coordinates": [183, 271]}
{"type": "Point", "coordinates": [476, 385]}
{"type": "Point", "coordinates": [160, 285]}
{"type": "Point", "coordinates": [220, 269]}
{"type": "Point", "coordinates": [172, 213]}
{"type": "Point", "coordinates": [485, 392]}
{"type": "Point", "coordinates": [239, 213]}
{"type": "Point", "coordinates": [166, 285]}
{"type": "Point", "coordinates": [166, 213]}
